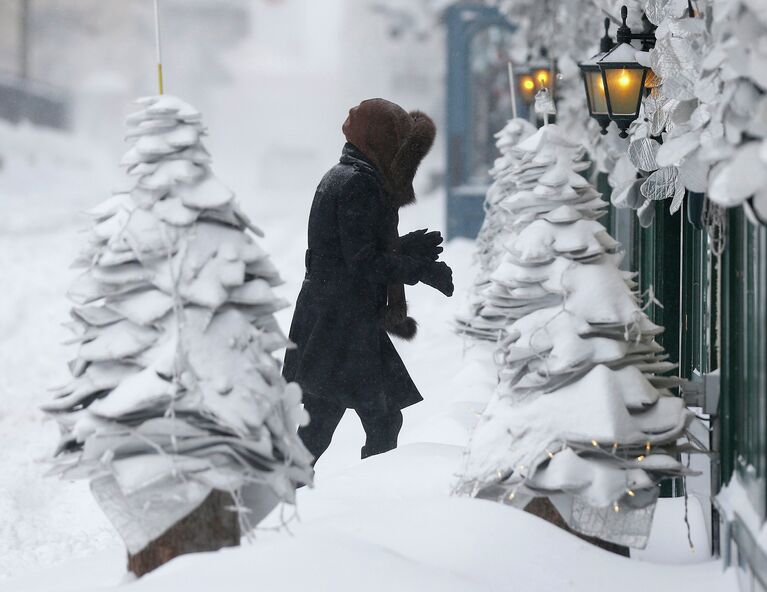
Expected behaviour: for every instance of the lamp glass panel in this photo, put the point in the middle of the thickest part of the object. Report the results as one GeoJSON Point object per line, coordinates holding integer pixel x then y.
{"type": "Point", "coordinates": [597, 96]}
{"type": "Point", "coordinates": [624, 86]}
{"type": "Point", "coordinates": [542, 78]}
{"type": "Point", "coordinates": [527, 87]}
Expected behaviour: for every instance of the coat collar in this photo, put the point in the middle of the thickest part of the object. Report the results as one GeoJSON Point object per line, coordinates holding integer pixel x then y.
{"type": "Point", "coordinates": [354, 156]}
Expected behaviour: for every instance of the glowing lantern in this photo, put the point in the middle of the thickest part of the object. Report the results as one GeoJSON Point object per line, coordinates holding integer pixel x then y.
{"type": "Point", "coordinates": [543, 77]}
{"type": "Point", "coordinates": [623, 79]}
{"type": "Point", "coordinates": [527, 88]}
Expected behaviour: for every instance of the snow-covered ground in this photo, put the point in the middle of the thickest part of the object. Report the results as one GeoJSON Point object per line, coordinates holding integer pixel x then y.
{"type": "Point", "coordinates": [388, 523]}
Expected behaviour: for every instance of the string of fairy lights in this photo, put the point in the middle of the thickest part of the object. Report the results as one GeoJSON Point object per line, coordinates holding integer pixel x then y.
{"type": "Point", "coordinates": [520, 469]}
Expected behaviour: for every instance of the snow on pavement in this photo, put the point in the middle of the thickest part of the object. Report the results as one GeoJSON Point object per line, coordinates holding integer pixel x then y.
{"type": "Point", "coordinates": [389, 524]}
{"type": "Point", "coordinates": [42, 188]}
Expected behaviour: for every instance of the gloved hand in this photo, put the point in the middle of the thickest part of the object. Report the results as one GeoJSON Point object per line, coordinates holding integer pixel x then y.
{"type": "Point", "coordinates": [439, 276]}
{"type": "Point", "coordinates": [422, 244]}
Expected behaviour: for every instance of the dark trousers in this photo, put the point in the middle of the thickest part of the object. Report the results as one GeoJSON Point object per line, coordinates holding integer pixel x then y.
{"type": "Point", "coordinates": [381, 429]}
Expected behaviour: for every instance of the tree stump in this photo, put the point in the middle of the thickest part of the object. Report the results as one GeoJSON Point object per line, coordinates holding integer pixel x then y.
{"type": "Point", "coordinates": [209, 528]}
{"type": "Point", "coordinates": [543, 508]}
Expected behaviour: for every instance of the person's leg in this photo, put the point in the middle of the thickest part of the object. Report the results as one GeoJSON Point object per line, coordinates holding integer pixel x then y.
{"type": "Point", "coordinates": [381, 430]}
{"type": "Point", "coordinates": [324, 417]}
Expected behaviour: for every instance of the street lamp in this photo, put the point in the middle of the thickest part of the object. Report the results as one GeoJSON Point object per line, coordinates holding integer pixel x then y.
{"type": "Point", "coordinates": [531, 79]}
{"type": "Point", "coordinates": [592, 79]}
{"type": "Point", "coordinates": [623, 77]}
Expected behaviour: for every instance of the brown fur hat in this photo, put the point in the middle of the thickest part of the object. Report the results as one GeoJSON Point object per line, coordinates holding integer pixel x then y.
{"type": "Point", "coordinates": [394, 140]}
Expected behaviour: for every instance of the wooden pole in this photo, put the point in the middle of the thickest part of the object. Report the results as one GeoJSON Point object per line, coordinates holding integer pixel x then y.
{"type": "Point", "coordinates": [158, 45]}
{"type": "Point", "coordinates": [512, 88]}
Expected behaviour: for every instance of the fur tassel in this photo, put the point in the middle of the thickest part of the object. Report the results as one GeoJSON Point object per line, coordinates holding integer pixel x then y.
{"type": "Point", "coordinates": [406, 329]}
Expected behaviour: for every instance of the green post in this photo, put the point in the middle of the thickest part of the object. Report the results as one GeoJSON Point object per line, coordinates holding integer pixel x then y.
{"type": "Point", "coordinates": [660, 269]}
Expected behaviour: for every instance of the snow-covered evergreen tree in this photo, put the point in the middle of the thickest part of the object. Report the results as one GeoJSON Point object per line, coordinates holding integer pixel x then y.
{"type": "Point", "coordinates": [495, 228]}
{"type": "Point", "coordinates": [175, 392]}
{"type": "Point", "coordinates": [496, 225]}
{"type": "Point", "coordinates": [523, 162]}
{"type": "Point", "coordinates": [582, 414]}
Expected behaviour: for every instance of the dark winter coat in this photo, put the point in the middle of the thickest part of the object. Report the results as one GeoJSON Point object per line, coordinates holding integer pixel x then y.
{"type": "Point", "coordinates": [343, 352]}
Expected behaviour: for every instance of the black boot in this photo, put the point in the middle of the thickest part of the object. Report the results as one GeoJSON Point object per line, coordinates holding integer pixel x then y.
{"type": "Point", "coordinates": [381, 431]}
{"type": "Point", "coordinates": [324, 417]}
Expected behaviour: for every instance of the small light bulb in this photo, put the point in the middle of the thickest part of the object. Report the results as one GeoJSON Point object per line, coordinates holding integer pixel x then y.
{"type": "Point", "coordinates": [647, 447]}
{"type": "Point", "coordinates": [631, 493]}
{"type": "Point", "coordinates": [640, 458]}
{"type": "Point", "coordinates": [616, 507]}
{"type": "Point", "coordinates": [551, 454]}
{"type": "Point", "coordinates": [594, 443]}
{"type": "Point", "coordinates": [624, 79]}
{"type": "Point", "coordinates": [512, 495]}
{"type": "Point", "coordinates": [528, 84]}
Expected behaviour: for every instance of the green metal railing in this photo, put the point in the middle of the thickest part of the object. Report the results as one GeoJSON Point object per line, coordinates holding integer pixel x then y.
{"type": "Point", "coordinates": [744, 357]}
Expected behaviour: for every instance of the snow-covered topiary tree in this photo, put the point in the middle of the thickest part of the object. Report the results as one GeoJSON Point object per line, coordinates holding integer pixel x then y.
{"type": "Point", "coordinates": [491, 305]}
{"type": "Point", "coordinates": [177, 407]}
{"type": "Point", "coordinates": [582, 414]}
{"type": "Point", "coordinates": [496, 224]}
{"type": "Point", "coordinates": [495, 228]}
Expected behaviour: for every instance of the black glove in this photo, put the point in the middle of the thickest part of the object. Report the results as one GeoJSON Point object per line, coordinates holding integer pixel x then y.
{"type": "Point", "coordinates": [422, 244]}
{"type": "Point", "coordinates": [439, 276]}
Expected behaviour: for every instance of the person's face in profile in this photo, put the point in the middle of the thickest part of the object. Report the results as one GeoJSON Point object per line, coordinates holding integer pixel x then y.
{"type": "Point", "coordinates": [347, 123]}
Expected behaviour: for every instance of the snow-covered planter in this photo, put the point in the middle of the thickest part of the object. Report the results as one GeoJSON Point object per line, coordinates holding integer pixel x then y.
{"type": "Point", "coordinates": [175, 393]}
{"type": "Point", "coordinates": [583, 414]}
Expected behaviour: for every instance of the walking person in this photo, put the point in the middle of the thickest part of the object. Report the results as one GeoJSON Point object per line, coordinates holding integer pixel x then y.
{"type": "Point", "coordinates": [356, 267]}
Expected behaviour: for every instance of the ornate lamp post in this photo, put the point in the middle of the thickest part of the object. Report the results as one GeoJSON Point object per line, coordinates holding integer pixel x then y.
{"type": "Point", "coordinates": [592, 79]}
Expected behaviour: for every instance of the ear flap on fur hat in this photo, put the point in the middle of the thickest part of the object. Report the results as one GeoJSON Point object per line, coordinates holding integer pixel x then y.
{"type": "Point", "coordinates": [409, 156]}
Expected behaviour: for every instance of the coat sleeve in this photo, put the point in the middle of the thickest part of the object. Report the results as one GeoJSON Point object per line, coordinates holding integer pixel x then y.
{"type": "Point", "coordinates": [359, 220]}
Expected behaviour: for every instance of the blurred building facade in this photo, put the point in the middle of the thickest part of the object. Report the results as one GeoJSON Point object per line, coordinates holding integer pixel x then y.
{"type": "Point", "coordinates": [101, 54]}
{"type": "Point", "coordinates": [274, 78]}
{"type": "Point", "coordinates": [295, 78]}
